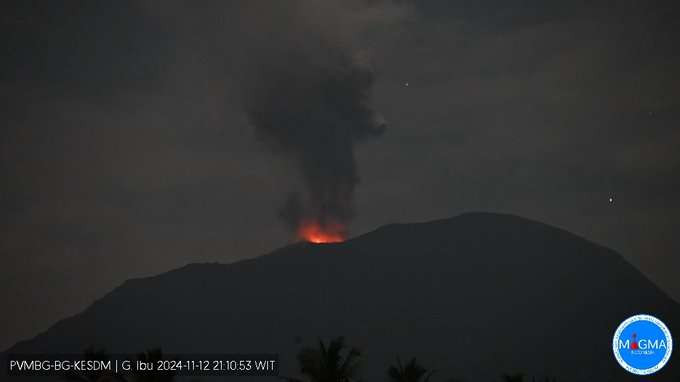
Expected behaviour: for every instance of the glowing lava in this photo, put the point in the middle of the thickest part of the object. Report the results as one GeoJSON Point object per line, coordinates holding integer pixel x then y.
{"type": "Point", "coordinates": [313, 232]}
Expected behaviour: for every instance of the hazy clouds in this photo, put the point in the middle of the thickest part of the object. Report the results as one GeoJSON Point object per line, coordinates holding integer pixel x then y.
{"type": "Point", "coordinates": [126, 150]}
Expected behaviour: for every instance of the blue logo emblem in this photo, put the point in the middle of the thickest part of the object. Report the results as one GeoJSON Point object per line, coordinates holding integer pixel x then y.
{"type": "Point", "coordinates": [642, 344]}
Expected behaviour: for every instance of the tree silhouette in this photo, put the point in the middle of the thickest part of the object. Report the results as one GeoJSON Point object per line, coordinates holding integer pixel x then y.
{"type": "Point", "coordinates": [329, 363]}
{"type": "Point", "coordinates": [90, 354]}
{"type": "Point", "coordinates": [411, 372]}
{"type": "Point", "coordinates": [516, 377]}
{"type": "Point", "coordinates": [149, 356]}
{"type": "Point", "coordinates": [153, 356]}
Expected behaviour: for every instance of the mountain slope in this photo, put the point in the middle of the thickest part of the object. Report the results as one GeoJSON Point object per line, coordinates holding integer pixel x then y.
{"type": "Point", "coordinates": [471, 296]}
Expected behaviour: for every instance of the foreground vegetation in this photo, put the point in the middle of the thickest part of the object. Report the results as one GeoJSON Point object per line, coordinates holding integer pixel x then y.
{"type": "Point", "coordinates": [332, 362]}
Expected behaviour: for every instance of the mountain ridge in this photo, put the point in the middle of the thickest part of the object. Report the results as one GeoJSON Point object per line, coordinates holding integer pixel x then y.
{"type": "Point", "coordinates": [403, 277]}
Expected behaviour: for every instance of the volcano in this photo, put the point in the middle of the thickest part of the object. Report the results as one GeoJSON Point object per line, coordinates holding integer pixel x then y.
{"type": "Point", "coordinates": [314, 232]}
{"type": "Point", "coordinates": [472, 296]}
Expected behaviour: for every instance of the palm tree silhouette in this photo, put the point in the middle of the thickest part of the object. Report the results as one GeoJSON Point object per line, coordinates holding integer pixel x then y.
{"type": "Point", "coordinates": [91, 354]}
{"type": "Point", "coordinates": [153, 356]}
{"type": "Point", "coordinates": [328, 363]}
{"type": "Point", "coordinates": [516, 377]}
{"type": "Point", "coordinates": [411, 372]}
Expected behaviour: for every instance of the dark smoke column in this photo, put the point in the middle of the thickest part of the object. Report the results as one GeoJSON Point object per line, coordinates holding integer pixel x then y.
{"type": "Point", "coordinates": [309, 99]}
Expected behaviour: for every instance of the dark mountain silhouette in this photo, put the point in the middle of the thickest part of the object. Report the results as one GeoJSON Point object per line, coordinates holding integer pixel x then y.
{"type": "Point", "coordinates": [473, 296]}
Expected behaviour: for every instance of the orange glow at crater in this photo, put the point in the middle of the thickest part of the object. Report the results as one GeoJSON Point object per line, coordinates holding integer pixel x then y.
{"type": "Point", "coordinates": [314, 232]}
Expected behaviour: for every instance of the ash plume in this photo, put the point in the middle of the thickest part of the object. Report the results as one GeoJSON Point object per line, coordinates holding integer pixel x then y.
{"type": "Point", "coordinates": [307, 93]}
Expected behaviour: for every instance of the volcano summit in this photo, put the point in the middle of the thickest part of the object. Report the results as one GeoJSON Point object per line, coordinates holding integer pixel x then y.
{"type": "Point", "coordinates": [472, 296]}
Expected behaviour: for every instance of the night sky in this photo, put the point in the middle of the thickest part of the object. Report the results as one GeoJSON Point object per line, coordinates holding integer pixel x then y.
{"type": "Point", "coordinates": [127, 148]}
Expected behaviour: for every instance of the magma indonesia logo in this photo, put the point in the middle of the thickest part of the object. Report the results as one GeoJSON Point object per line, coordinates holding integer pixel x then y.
{"type": "Point", "coordinates": [642, 344]}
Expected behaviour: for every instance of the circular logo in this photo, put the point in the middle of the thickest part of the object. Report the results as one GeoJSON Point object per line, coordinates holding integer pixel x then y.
{"type": "Point", "coordinates": [642, 344]}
